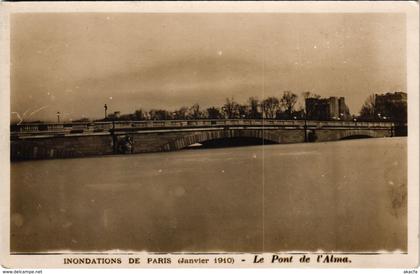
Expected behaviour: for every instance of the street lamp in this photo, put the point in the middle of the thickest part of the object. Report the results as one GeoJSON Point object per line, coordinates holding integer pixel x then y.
{"type": "Point", "coordinates": [58, 117]}
{"type": "Point", "coordinates": [114, 137]}
{"type": "Point", "coordinates": [105, 108]}
{"type": "Point", "coordinates": [305, 126]}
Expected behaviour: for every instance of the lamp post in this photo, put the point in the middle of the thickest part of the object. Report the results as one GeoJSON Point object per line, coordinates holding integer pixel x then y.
{"type": "Point", "coordinates": [105, 108]}
{"type": "Point", "coordinates": [114, 137]}
{"type": "Point", "coordinates": [305, 126]}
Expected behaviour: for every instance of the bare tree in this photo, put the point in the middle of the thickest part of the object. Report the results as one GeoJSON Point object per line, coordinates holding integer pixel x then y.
{"type": "Point", "coordinates": [231, 108]}
{"type": "Point", "coordinates": [214, 113]}
{"type": "Point", "coordinates": [254, 105]}
{"type": "Point", "coordinates": [181, 113]}
{"type": "Point", "coordinates": [270, 107]}
{"type": "Point", "coordinates": [243, 111]}
{"type": "Point", "coordinates": [194, 111]}
{"type": "Point", "coordinates": [139, 114]}
{"type": "Point", "coordinates": [159, 114]}
{"type": "Point", "coordinates": [368, 108]}
{"type": "Point", "coordinates": [288, 101]}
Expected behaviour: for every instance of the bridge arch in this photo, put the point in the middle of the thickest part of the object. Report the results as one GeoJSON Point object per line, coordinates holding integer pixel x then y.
{"type": "Point", "coordinates": [358, 133]}
{"type": "Point", "coordinates": [204, 136]}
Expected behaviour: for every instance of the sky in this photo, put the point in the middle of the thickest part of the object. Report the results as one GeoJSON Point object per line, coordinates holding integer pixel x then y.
{"type": "Point", "coordinates": [75, 63]}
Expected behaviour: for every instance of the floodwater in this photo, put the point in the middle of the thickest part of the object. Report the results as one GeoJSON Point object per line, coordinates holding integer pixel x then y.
{"type": "Point", "coordinates": [336, 196]}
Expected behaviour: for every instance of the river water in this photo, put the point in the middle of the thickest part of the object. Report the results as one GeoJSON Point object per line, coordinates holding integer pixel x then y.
{"type": "Point", "coordinates": [341, 196]}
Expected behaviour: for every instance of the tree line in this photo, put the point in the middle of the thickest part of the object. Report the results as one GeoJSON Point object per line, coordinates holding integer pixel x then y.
{"type": "Point", "coordinates": [283, 108]}
{"type": "Point", "coordinates": [269, 108]}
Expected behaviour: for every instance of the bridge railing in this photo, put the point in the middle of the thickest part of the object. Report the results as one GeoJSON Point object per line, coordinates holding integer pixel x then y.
{"type": "Point", "coordinates": [97, 127]}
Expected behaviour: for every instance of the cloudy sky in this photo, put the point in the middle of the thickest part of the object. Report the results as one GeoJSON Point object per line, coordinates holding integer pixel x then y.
{"type": "Point", "coordinates": [75, 63]}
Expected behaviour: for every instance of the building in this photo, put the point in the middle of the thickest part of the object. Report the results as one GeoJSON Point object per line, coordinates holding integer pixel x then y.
{"type": "Point", "coordinates": [391, 106]}
{"type": "Point", "coordinates": [343, 109]}
{"type": "Point", "coordinates": [332, 108]}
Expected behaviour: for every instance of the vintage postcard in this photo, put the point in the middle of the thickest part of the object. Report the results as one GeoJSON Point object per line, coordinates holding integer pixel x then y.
{"type": "Point", "coordinates": [209, 134]}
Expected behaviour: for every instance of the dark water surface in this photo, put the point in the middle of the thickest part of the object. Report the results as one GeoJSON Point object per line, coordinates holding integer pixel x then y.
{"type": "Point", "coordinates": [347, 196]}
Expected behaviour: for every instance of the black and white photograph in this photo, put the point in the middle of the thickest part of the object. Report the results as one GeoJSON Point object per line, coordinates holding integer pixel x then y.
{"type": "Point", "coordinates": [276, 133]}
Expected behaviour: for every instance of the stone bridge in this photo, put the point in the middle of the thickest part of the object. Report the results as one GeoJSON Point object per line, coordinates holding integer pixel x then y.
{"type": "Point", "coordinates": [40, 141]}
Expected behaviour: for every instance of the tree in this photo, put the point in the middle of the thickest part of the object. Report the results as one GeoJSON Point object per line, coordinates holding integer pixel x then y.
{"type": "Point", "coordinates": [181, 113]}
{"type": "Point", "coordinates": [288, 101]}
{"type": "Point", "coordinates": [299, 114]}
{"type": "Point", "coordinates": [308, 94]}
{"type": "Point", "coordinates": [139, 115]}
{"type": "Point", "coordinates": [243, 111]}
{"type": "Point", "coordinates": [368, 109]}
{"type": "Point", "coordinates": [270, 106]}
{"type": "Point", "coordinates": [254, 105]}
{"type": "Point", "coordinates": [159, 114]}
{"type": "Point", "coordinates": [194, 111]}
{"type": "Point", "coordinates": [214, 113]}
{"type": "Point", "coordinates": [231, 108]}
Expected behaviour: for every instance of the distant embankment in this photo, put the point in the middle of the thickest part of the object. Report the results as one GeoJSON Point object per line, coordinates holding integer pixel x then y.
{"type": "Point", "coordinates": [46, 141]}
